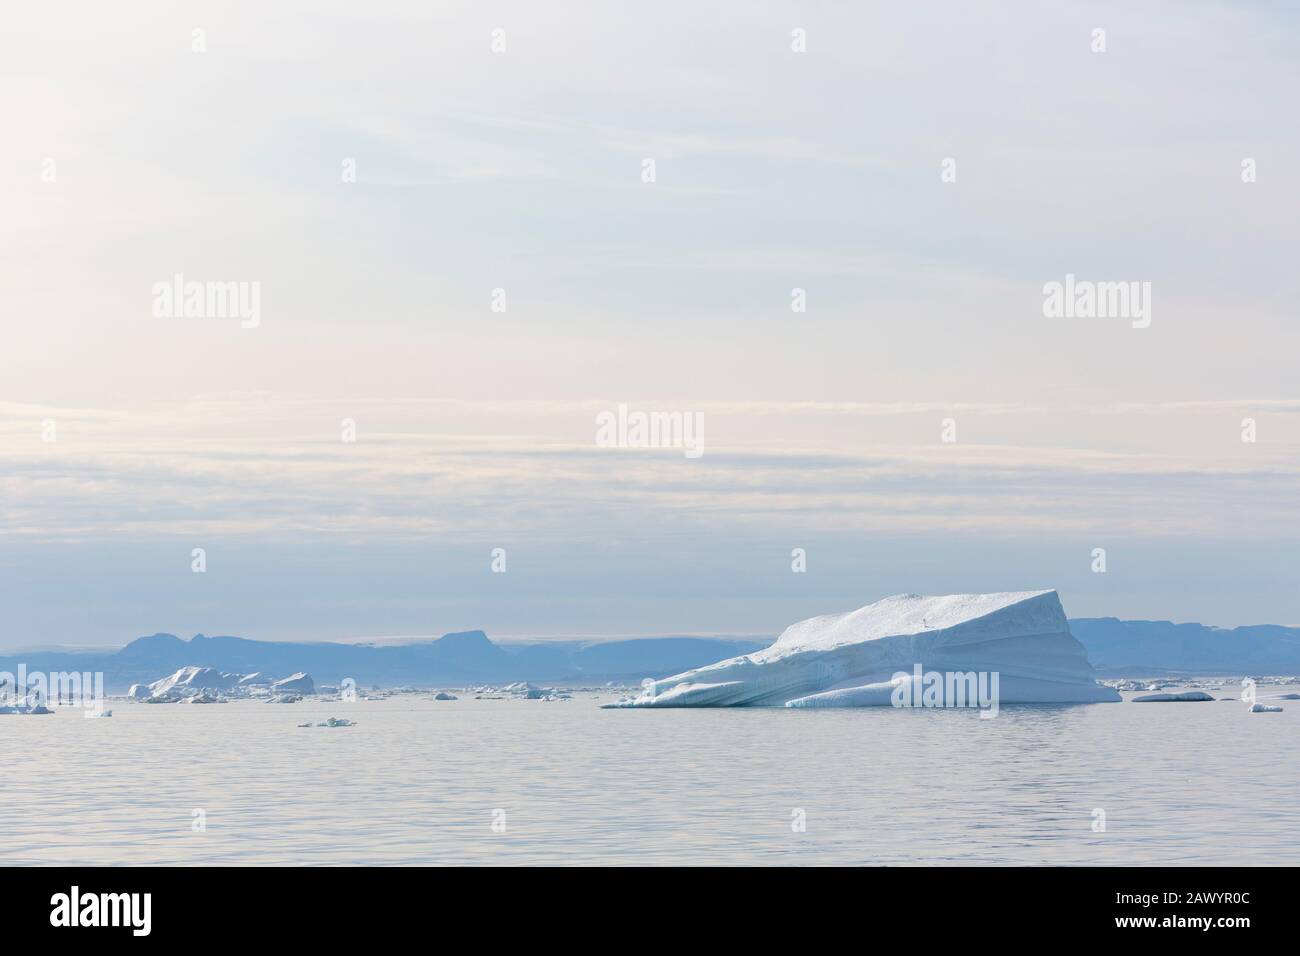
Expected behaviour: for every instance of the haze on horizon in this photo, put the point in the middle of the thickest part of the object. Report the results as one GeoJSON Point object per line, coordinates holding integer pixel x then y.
{"type": "Point", "coordinates": [522, 171]}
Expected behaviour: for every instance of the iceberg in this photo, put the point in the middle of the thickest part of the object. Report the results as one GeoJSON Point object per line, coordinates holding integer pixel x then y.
{"type": "Point", "coordinates": [1186, 696]}
{"type": "Point", "coordinates": [25, 708]}
{"type": "Point", "coordinates": [298, 683]}
{"type": "Point", "coordinates": [188, 681]}
{"type": "Point", "coordinates": [870, 656]}
{"type": "Point", "coordinates": [1258, 708]}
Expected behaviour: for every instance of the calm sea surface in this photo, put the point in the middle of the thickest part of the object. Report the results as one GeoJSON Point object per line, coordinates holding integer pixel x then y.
{"type": "Point", "coordinates": [418, 781]}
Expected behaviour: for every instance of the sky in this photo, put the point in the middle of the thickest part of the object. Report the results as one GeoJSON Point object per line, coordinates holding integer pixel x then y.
{"type": "Point", "coordinates": [458, 249]}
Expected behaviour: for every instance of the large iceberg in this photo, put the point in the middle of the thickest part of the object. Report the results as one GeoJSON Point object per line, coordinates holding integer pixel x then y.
{"type": "Point", "coordinates": [188, 681]}
{"type": "Point", "coordinates": [885, 650]}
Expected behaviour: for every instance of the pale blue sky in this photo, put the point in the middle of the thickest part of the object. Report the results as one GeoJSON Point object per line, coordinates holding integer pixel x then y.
{"type": "Point", "coordinates": [522, 170]}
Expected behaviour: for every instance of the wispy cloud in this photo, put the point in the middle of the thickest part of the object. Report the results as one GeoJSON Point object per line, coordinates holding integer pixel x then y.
{"type": "Point", "coordinates": [255, 464]}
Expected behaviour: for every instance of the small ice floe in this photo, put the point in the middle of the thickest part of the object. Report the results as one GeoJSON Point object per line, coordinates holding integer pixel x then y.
{"type": "Point", "coordinates": [1286, 697]}
{"type": "Point", "coordinates": [99, 713]}
{"type": "Point", "coordinates": [284, 699]}
{"type": "Point", "coordinates": [1258, 708]}
{"type": "Point", "coordinates": [526, 691]}
{"type": "Point", "coordinates": [161, 699]}
{"type": "Point", "coordinates": [331, 722]}
{"type": "Point", "coordinates": [443, 695]}
{"type": "Point", "coordinates": [1184, 696]}
{"type": "Point", "coordinates": [1125, 684]}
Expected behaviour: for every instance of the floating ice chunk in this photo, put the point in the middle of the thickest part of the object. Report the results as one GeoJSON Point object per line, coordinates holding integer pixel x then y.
{"type": "Point", "coordinates": [851, 660]}
{"type": "Point", "coordinates": [1186, 696]}
{"type": "Point", "coordinates": [443, 695]}
{"type": "Point", "coordinates": [1258, 708]}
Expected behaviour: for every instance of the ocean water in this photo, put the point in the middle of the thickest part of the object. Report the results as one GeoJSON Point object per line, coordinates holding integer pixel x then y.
{"type": "Point", "coordinates": [418, 781]}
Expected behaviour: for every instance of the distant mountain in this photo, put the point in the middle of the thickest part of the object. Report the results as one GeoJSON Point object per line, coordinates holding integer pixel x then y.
{"type": "Point", "coordinates": [1140, 648]}
{"type": "Point", "coordinates": [458, 658]}
{"type": "Point", "coordinates": [1115, 647]}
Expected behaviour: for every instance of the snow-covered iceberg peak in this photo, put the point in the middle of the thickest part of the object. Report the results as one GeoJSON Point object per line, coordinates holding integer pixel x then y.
{"type": "Point", "coordinates": [855, 659]}
{"type": "Point", "coordinates": [1005, 614]}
